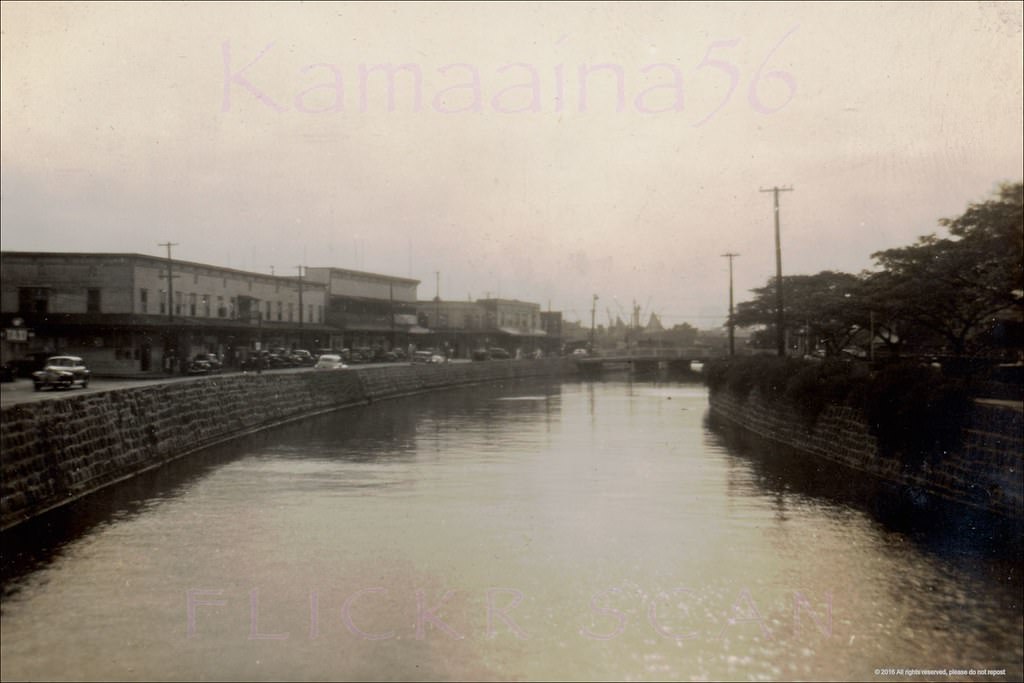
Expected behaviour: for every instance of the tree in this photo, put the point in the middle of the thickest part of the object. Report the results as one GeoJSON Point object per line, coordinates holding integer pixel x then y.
{"type": "Point", "coordinates": [956, 286]}
{"type": "Point", "coordinates": [826, 308]}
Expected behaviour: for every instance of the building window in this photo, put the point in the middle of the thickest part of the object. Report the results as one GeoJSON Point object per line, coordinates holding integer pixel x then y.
{"type": "Point", "coordinates": [291, 310]}
{"type": "Point", "coordinates": [206, 305]}
{"type": "Point", "coordinates": [309, 315]}
{"type": "Point", "coordinates": [195, 278]}
{"type": "Point", "coordinates": [192, 305]}
{"type": "Point", "coordinates": [144, 300]}
{"type": "Point", "coordinates": [320, 313]}
{"type": "Point", "coordinates": [221, 311]}
{"type": "Point", "coordinates": [232, 307]}
{"type": "Point", "coordinates": [92, 301]}
{"type": "Point", "coordinates": [178, 298]}
{"type": "Point", "coordinates": [267, 316]}
{"type": "Point", "coordinates": [280, 307]}
{"type": "Point", "coordinates": [163, 302]}
{"type": "Point", "coordinates": [33, 300]}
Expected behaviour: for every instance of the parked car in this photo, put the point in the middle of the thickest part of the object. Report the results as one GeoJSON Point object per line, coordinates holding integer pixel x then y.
{"type": "Point", "coordinates": [29, 363]}
{"type": "Point", "coordinates": [480, 354]}
{"type": "Point", "coordinates": [428, 356]}
{"type": "Point", "coordinates": [302, 357]}
{"type": "Point", "coordinates": [330, 361]}
{"type": "Point", "coordinates": [279, 358]}
{"type": "Point", "coordinates": [362, 354]}
{"type": "Point", "coordinates": [498, 353]}
{"type": "Point", "coordinates": [205, 363]}
{"type": "Point", "coordinates": [62, 372]}
{"type": "Point", "coordinates": [7, 372]}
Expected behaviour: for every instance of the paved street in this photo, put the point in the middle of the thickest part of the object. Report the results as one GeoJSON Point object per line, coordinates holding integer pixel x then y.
{"type": "Point", "coordinates": [22, 391]}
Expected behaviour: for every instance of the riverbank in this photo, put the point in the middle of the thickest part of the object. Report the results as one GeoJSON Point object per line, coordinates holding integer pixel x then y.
{"type": "Point", "coordinates": [57, 451]}
{"type": "Point", "coordinates": [984, 473]}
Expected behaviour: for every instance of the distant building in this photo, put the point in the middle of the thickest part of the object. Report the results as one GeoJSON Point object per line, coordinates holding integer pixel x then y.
{"type": "Point", "coordinates": [463, 326]}
{"type": "Point", "coordinates": [368, 309]}
{"type": "Point", "coordinates": [551, 323]}
{"type": "Point", "coordinates": [124, 316]}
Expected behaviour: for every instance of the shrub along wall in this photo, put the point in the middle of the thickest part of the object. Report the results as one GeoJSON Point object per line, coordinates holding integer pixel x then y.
{"type": "Point", "coordinates": [55, 451]}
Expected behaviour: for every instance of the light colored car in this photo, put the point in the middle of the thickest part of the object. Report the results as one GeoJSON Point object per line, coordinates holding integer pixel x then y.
{"type": "Point", "coordinates": [62, 372]}
{"type": "Point", "coordinates": [330, 361]}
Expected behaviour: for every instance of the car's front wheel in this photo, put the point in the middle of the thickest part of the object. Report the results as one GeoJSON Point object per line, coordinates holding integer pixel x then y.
{"type": "Point", "coordinates": [85, 383]}
{"type": "Point", "coordinates": [38, 386]}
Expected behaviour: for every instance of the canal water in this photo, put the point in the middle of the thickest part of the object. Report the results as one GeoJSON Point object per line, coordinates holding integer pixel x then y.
{"type": "Point", "coordinates": [519, 531]}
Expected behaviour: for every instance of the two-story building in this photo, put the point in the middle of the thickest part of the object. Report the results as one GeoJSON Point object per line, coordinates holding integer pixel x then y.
{"type": "Point", "coordinates": [136, 314]}
{"type": "Point", "coordinates": [369, 310]}
{"type": "Point", "coordinates": [463, 326]}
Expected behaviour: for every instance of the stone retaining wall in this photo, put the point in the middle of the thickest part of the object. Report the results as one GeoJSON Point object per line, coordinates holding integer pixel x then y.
{"type": "Point", "coordinates": [55, 451]}
{"type": "Point", "coordinates": [985, 474]}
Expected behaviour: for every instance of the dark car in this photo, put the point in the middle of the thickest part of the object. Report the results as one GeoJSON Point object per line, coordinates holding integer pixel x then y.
{"type": "Point", "coordinates": [62, 372]}
{"type": "Point", "coordinates": [280, 358]}
{"type": "Point", "coordinates": [205, 363]}
{"type": "Point", "coordinates": [362, 355]}
{"type": "Point", "coordinates": [480, 354]}
{"type": "Point", "coordinates": [29, 363]}
{"type": "Point", "coordinates": [7, 372]}
{"type": "Point", "coordinates": [302, 357]}
{"type": "Point", "coordinates": [498, 353]}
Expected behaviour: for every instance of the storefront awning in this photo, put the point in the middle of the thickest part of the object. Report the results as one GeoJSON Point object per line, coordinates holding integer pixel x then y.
{"type": "Point", "coordinates": [405, 319]}
{"type": "Point", "coordinates": [513, 332]}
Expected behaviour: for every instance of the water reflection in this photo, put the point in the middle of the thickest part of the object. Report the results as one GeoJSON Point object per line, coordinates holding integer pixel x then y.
{"type": "Point", "coordinates": [586, 531]}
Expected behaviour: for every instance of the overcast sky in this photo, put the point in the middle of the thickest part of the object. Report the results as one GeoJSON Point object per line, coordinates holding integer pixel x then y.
{"type": "Point", "coordinates": [262, 135]}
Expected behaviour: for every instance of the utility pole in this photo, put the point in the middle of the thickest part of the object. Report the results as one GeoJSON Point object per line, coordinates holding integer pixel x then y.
{"type": "Point", "coordinates": [437, 309]}
{"type": "Point", "coordinates": [391, 302]}
{"type": "Point", "coordinates": [171, 342]}
{"type": "Point", "coordinates": [301, 344]}
{"type": "Point", "coordinates": [732, 325]}
{"type": "Point", "coordinates": [780, 335]}
{"type": "Point", "coordinates": [170, 281]}
{"type": "Point", "coordinates": [593, 313]}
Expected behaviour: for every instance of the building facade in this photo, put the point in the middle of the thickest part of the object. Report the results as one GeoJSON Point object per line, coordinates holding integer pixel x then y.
{"type": "Point", "coordinates": [369, 310]}
{"type": "Point", "coordinates": [135, 314]}
{"type": "Point", "coordinates": [464, 326]}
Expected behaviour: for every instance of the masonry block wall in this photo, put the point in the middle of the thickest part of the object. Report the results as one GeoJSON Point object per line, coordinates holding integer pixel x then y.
{"type": "Point", "coordinates": [54, 451]}
{"type": "Point", "coordinates": [985, 474]}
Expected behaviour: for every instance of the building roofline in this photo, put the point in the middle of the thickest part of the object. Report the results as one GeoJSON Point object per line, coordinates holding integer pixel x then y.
{"type": "Point", "coordinates": [365, 273]}
{"type": "Point", "coordinates": [507, 301]}
{"type": "Point", "coordinates": [162, 260]}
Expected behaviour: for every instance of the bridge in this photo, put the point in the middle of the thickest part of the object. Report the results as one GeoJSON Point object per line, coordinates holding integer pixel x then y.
{"type": "Point", "coordinates": [642, 359]}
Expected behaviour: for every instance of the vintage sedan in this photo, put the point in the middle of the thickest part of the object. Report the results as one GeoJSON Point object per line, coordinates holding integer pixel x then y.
{"type": "Point", "coordinates": [62, 372]}
{"type": "Point", "coordinates": [330, 361]}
